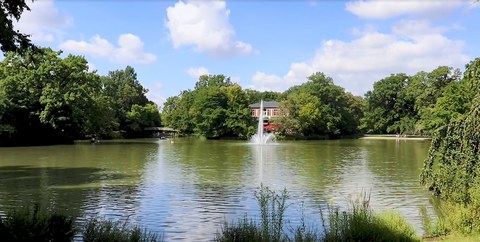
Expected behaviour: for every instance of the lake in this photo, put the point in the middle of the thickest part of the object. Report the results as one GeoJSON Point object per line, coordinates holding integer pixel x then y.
{"type": "Point", "coordinates": [186, 189]}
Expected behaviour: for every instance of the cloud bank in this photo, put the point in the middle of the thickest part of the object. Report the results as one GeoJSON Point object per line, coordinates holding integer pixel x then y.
{"type": "Point", "coordinates": [129, 49]}
{"type": "Point", "coordinates": [204, 25]}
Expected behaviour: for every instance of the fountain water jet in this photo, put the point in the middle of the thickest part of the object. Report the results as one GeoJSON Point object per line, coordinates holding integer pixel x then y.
{"type": "Point", "coordinates": [260, 137]}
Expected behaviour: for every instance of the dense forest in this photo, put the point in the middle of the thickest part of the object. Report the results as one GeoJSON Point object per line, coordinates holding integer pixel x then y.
{"type": "Point", "coordinates": [46, 99]}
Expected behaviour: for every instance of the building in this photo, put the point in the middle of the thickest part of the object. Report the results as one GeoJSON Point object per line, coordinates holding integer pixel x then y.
{"type": "Point", "coordinates": [271, 109]}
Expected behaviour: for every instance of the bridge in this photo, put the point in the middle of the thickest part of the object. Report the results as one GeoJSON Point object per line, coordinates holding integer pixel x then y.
{"type": "Point", "coordinates": [162, 131]}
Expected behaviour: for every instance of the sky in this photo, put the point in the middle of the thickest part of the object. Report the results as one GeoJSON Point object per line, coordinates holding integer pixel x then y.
{"type": "Point", "coordinates": [263, 45]}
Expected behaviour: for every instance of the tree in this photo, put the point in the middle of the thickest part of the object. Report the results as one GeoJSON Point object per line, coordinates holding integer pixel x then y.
{"type": "Point", "coordinates": [238, 121]}
{"type": "Point", "coordinates": [176, 112]}
{"type": "Point", "coordinates": [214, 109]}
{"type": "Point", "coordinates": [208, 112]}
{"type": "Point", "coordinates": [206, 81]}
{"type": "Point", "coordinates": [11, 40]}
{"type": "Point", "coordinates": [330, 109]}
{"type": "Point", "coordinates": [140, 117]}
{"type": "Point", "coordinates": [255, 96]}
{"type": "Point", "coordinates": [452, 168]}
{"type": "Point", "coordinates": [123, 91]}
{"type": "Point", "coordinates": [426, 89]}
{"type": "Point", "coordinates": [388, 106]}
{"type": "Point", "coordinates": [304, 114]}
{"type": "Point", "coordinates": [46, 98]}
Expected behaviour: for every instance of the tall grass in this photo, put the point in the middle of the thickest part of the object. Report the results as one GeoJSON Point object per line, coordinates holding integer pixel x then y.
{"type": "Point", "coordinates": [108, 231]}
{"type": "Point", "coordinates": [272, 218]}
{"type": "Point", "coordinates": [358, 223]}
{"type": "Point", "coordinates": [35, 224]}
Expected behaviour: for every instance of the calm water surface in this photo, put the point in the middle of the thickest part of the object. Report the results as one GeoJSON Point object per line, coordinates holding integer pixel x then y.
{"type": "Point", "coordinates": [186, 189]}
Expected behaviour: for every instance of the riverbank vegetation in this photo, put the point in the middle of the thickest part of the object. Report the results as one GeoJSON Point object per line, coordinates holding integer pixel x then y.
{"type": "Point", "coordinates": [46, 98]}
{"type": "Point", "coordinates": [452, 169]}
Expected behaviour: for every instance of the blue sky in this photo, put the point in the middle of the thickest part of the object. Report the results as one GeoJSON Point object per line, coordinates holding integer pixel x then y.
{"type": "Point", "coordinates": [264, 45]}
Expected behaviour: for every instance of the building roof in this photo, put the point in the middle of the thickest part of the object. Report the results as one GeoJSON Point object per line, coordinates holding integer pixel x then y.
{"type": "Point", "coordinates": [266, 104]}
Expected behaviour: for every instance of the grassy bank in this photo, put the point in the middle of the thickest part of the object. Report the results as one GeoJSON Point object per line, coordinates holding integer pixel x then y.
{"type": "Point", "coordinates": [34, 224]}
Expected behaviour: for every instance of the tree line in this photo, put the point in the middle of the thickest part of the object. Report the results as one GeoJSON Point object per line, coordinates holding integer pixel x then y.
{"type": "Point", "coordinates": [404, 104]}
{"type": "Point", "coordinates": [216, 108]}
{"type": "Point", "coordinates": [46, 99]}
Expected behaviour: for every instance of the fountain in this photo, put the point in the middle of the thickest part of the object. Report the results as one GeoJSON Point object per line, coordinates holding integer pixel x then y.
{"type": "Point", "coordinates": [260, 137]}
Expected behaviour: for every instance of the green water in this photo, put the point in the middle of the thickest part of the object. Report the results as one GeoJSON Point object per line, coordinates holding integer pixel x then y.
{"type": "Point", "coordinates": [186, 189]}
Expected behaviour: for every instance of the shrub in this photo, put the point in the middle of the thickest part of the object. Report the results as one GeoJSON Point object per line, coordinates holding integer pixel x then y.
{"type": "Point", "coordinates": [360, 223]}
{"type": "Point", "coordinates": [34, 224]}
{"type": "Point", "coordinates": [108, 231]}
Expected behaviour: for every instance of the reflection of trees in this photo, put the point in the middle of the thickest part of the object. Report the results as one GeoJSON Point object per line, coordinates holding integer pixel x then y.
{"type": "Point", "coordinates": [78, 178]}
{"type": "Point", "coordinates": [388, 157]}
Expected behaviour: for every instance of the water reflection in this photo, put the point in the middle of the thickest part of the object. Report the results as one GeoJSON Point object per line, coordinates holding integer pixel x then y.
{"type": "Point", "coordinates": [186, 189]}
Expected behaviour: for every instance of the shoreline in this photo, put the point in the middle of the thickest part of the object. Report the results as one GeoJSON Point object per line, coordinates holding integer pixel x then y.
{"type": "Point", "coordinates": [395, 138]}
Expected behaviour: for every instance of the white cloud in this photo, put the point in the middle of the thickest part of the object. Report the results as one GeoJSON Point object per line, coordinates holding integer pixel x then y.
{"type": "Point", "coordinates": [204, 25]}
{"type": "Point", "coordinates": [356, 64]}
{"type": "Point", "coordinates": [129, 50]}
{"type": "Point", "coordinates": [197, 72]}
{"type": "Point", "coordinates": [154, 94]}
{"type": "Point", "coordinates": [263, 82]}
{"type": "Point", "coordinates": [44, 22]}
{"type": "Point", "coordinates": [380, 9]}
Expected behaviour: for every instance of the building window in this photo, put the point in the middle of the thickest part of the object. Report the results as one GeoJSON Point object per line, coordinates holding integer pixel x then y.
{"type": "Point", "coordinates": [275, 112]}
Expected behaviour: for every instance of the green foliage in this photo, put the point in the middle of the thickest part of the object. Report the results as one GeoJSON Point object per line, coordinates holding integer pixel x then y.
{"type": "Point", "coordinates": [272, 218]}
{"type": "Point", "coordinates": [452, 168]}
{"type": "Point", "coordinates": [244, 230]}
{"type": "Point", "coordinates": [143, 116]}
{"type": "Point", "coordinates": [45, 94]}
{"type": "Point", "coordinates": [108, 231]}
{"type": "Point", "coordinates": [418, 104]}
{"type": "Point", "coordinates": [320, 107]}
{"type": "Point", "coordinates": [123, 91]}
{"type": "Point", "coordinates": [360, 223]}
{"type": "Point", "coordinates": [35, 224]}
{"type": "Point", "coordinates": [433, 228]}
{"type": "Point", "coordinates": [215, 108]}
{"type": "Point", "coordinates": [387, 105]}
{"type": "Point", "coordinates": [256, 96]}
{"type": "Point", "coordinates": [10, 39]}
{"type": "Point", "coordinates": [48, 99]}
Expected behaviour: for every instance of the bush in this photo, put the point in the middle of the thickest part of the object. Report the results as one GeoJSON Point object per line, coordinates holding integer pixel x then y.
{"type": "Point", "coordinates": [108, 231]}
{"type": "Point", "coordinates": [33, 224]}
{"type": "Point", "coordinates": [272, 217]}
{"type": "Point", "coordinates": [360, 223]}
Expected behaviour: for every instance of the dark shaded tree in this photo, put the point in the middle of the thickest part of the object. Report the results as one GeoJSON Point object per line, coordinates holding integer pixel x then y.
{"type": "Point", "coordinates": [11, 39]}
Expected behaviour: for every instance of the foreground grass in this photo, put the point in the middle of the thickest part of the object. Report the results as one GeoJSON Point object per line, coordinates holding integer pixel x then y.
{"type": "Point", "coordinates": [358, 223]}
{"type": "Point", "coordinates": [32, 224]}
